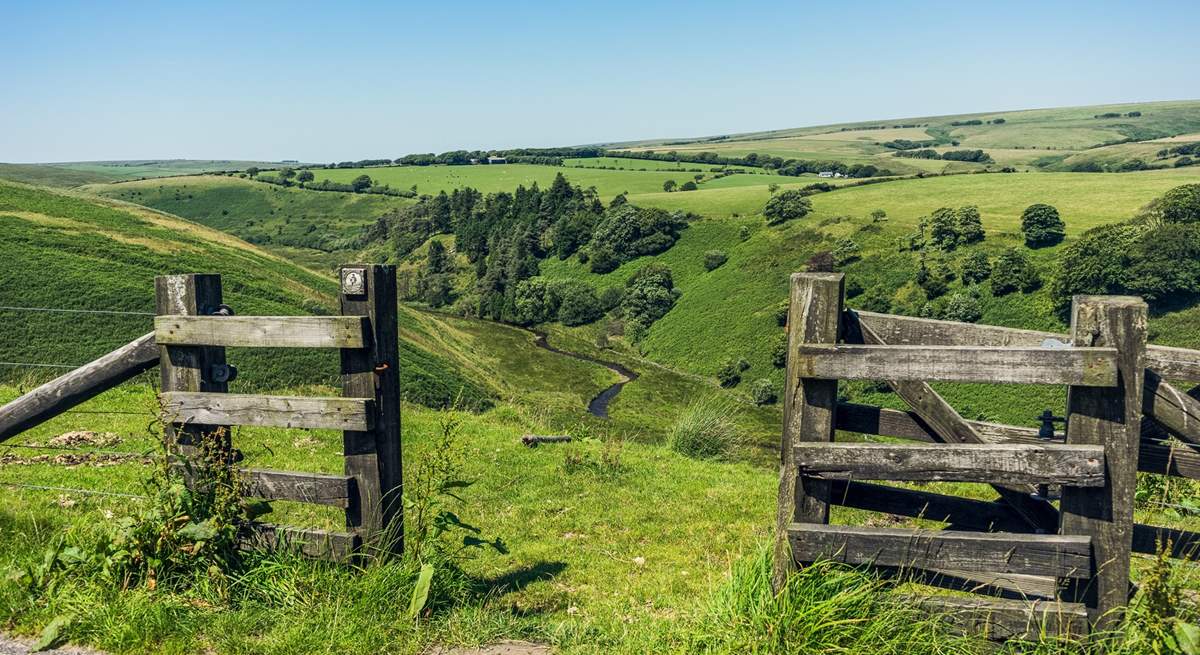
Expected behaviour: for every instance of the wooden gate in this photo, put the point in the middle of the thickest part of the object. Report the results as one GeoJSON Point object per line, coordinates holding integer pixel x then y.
{"type": "Point", "coordinates": [1061, 569]}
{"type": "Point", "coordinates": [193, 328]}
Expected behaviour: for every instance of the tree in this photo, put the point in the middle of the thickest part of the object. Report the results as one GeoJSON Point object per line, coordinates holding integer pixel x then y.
{"type": "Point", "coordinates": [878, 216]}
{"type": "Point", "coordinates": [361, 183]}
{"type": "Point", "coordinates": [772, 188]}
{"type": "Point", "coordinates": [763, 392]}
{"type": "Point", "coordinates": [286, 173]}
{"type": "Point", "coordinates": [434, 285]}
{"type": "Point", "coordinates": [786, 206]}
{"type": "Point", "coordinates": [579, 304]}
{"type": "Point", "coordinates": [649, 294]}
{"type": "Point", "coordinates": [688, 186]}
{"type": "Point", "coordinates": [669, 186]}
{"type": "Point", "coordinates": [1181, 204]}
{"type": "Point", "coordinates": [976, 268]}
{"type": "Point", "coordinates": [305, 177]}
{"type": "Point", "coordinates": [963, 307]}
{"type": "Point", "coordinates": [1014, 272]}
{"type": "Point", "coordinates": [1042, 226]}
{"type": "Point", "coordinates": [943, 228]}
{"type": "Point", "coordinates": [970, 224]}
{"type": "Point", "coordinates": [714, 258]}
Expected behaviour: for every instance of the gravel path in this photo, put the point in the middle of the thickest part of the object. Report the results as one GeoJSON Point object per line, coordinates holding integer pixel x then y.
{"type": "Point", "coordinates": [16, 646]}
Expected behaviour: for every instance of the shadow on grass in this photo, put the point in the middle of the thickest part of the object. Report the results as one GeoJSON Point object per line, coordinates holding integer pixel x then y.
{"type": "Point", "coordinates": [518, 578]}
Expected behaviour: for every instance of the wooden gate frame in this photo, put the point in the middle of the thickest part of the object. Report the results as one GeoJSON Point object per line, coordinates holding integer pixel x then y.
{"type": "Point", "coordinates": [192, 331]}
{"type": "Point", "coordinates": [1063, 570]}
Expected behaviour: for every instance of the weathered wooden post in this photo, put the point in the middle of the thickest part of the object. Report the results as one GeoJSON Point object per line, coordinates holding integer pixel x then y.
{"type": "Point", "coordinates": [373, 457]}
{"type": "Point", "coordinates": [190, 368]}
{"type": "Point", "coordinates": [809, 407]}
{"type": "Point", "coordinates": [1109, 417]}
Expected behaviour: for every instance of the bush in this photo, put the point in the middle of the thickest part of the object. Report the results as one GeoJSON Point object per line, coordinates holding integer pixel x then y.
{"type": "Point", "coordinates": [688, 186]}
{"type": "Point", "coordinates": [781, 313]}
{"type": "Point", "coordinates": [649, 294]}
{"type": "Point", "coordinates": [763, 392]}
{"type": "Point", "coordinates": [744, 233]}
{"type": "Point", "coordinates": [846, 251]}
{"type": "Point", "coordinates": [1181, 204]}
{"type": "Point", "coordinates": [976, 268]}
{"type": "Point", "coordinates": [933, 284]}
{"type": "Point", "coordinates": [610, 298]}
{"type": "Point", "coordinates": [779, 352]}
{"type": "Point", "coordinates": [963, 307]}
{"type": "Point", "coordinates": [714, 258]}
{"type": "Point", "coordinates": [1014, 272]}
{"type": "Point", "coordinates": [730, 373]}
{"type": "Point", "coordinates": [970, 224]}
{"type": "Point", "coordinates": [1041, 226]}
{"type": "Point", "coordinates": [579, 304]}
{"type": "Point", "coordinates": [786, 206]}
{"type": "Point", "coordinates": [705, 430]}
{"type": "Point", "coordinates": [943, 228]}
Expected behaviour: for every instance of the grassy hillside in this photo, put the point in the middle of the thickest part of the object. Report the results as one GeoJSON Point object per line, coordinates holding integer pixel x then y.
{"type": "Point", "coordinates": [315, 228]}
{"type": "Point", "coordinates": [74, 252]}
{"type": "Point", "coordinates": [43, 175]}
{"type": "Point", "coordinates": [1035, 138]}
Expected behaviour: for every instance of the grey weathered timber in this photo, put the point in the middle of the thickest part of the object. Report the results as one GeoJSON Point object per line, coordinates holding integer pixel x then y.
{"type": "Point", "coordinates": [322, 544]}
{"type": "Point", "coordinates": [186, 368]}
{"type": "Point", "coordinates": [948, 426]}
{"type": "Point", "coordinates": [1009, 619]}
{"type": "Point", "coordinates": [270, 411]}
{"type": "Point", "coordinates": [814, 316]}
{"type": "Point", "coordinates": [1171, 408]}
{"type": "Point", "coordinates": [1062, 556]}
{"type": "Point", "coordinates": [999, 585]}
{"type": "Point", "coordinates": [81, 384]}
{"type": "Point", "coordinates": [262, 331]}
{"type": "Point", "coordinates": [372, 457]}
{"type": "Point", "coordinates": [1150, 539]}
{"type": "Point", "coordinates": [1109, 417]}
{"type": "Point", "coordinates": [960, 513]}
{"type": "Point", "coordinates": [1169, 362]}
{"type": "Point", "coordinates": [989, 364]}
{"type": "Point", "coordinates": [313, 488]}
{"type": "Point", "coordinates": [1008, 463]}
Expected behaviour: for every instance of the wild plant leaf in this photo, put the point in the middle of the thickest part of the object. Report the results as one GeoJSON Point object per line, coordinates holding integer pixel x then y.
{"type": "Point", "coordinates": [1171, 513]}
{"type": "Point", "coordinates": [71, 556]}
{"type": "Point", "coordinates": [50, 634]}
{"type": "Point", "coordinates": [1188, 637]}
{"type": "Point", "coordinates": [420, 594]}
{"type": "Point", "coordinates": [202, 531]}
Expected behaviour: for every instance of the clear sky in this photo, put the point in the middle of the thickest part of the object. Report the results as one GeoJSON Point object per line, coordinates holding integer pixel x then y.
{"type": "Point", "coordinates": [350, 80]}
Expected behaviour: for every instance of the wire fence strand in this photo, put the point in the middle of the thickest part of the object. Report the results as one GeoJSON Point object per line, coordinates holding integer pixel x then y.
{"type": "Point", "coordinates": [60, 310]}
{"type": "Point", "coordinates": [72, 490]}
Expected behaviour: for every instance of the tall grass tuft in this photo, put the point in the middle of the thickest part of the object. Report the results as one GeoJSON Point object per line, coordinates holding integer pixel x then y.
{"type": "Point", "coordinates": [706, 429]}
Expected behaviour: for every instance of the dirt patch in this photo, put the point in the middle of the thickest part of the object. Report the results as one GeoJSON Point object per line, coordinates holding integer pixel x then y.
{"type": "Point", "coordinates": [14, 646]}
{"type": "Point", "coordinates": [500, 648]}
{"type": "Point", "coordinates": [84, 438]}
{"type": "Point", "coordinates": [71, 460]}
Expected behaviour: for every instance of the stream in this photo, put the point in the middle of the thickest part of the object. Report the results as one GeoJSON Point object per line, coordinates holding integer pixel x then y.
{"type": "Point", "coordinates": [598, 406]}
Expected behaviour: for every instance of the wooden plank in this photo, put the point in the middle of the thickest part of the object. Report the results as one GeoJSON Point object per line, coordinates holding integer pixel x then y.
{"type": "Point", "coordinates": [987, 364]}
{"type": "Point", "coordinates": [320, 544]}
{"type": "Point", "coordinates": [814, 316]}
{"type": "Point", "coordinates": [186, 368]}
{"type": "Point", "coordinates": [1002, 620]}
{"type": "Point", "coordinates": [81, 384]}
{"type": "Point", "coordinates": [1063, 556]}
{"type": "Point", "coordinates": [1149, 539]}
{"type": "Point", "coordinates": [262, 331]}
{"type": "Point", "coordinates": [999, 585]}
{"type": "Point", "coordinates": [1008, 463]}
{"type": "Point", "coordinates": [1171, 408]}
{"type": "Point", "coordinates": [313, 488]}
{"type": "Point", "coordinates": [1171, 363]}
{"type": "Point", "coordinates": [1108, 417]}
{"type": "Point", "coordinates": [948, 426]}
{"type": "Point", "coordinates": [269, 411]}
{"type": "Point", "coordinates": [960, 513]}
{"type": "Point", "coordinates": [372, 457]}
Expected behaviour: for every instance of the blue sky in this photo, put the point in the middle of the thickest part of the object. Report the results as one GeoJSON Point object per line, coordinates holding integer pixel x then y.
{"type": "Point", "coordinates": [344, 80]}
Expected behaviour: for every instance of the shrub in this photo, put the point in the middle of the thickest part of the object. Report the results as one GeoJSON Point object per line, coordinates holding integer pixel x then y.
{"type": "Point", "coordinates": [1041, 226]}
{"type": "Point", "coordinates": [779, 352]}
{"type": "Point", "coordinates": [846, 251]}
{"type": "Point", "coordinates": [963, 307]}
{"type": "Point", "coordinates": [649, 294]}
{"type": "Point", "coordinates": [1014, 272]}
{"type": "Point", "coordinates": [821, 262]}
{"type": "Point", "coordinates": [610, 298]}
{"type": "Point", "coordinates": [854, 288]}
{"type": "Point", "coordinates": [934, 285]}
{"type": "Point", "coordinates": [744, 233]}
{"type": "Point", "coordinates": [730, 374]}
{"type": "Point", "coordinates": [705, 430]}
{"type": "Point", "coordinates": [1181, 204]}
{"type": "Point", "coordinates": [781, 313]}
{"type": "Point", "coordinates": [1096, 263]}
{"type": "Point", "coordinates": [970, 224]}
{"type": "Point", "coordinates": [976, 268]}
{"type": "Point", "coordinates": [786, 206]}
{"type": "Point", "coordinates": [579, 304]}
{"type": "Point", "coordinates": [714, 258]}
{"type": "Point", "coordinates": [688, 186]}
{"type": "Point", "coordinates": [763, 392]}
{"type": "Point", "coordinates": [943, 228]}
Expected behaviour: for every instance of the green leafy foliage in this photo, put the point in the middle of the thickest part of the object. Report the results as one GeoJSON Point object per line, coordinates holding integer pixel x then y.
{"type": "Point", "coordinates": [713, 259]}
{"type": "Point", "coordinates": [1014, 272]}
{"type": "Point", "coordinates": [1042, 226]}
{"type": "Point", "coordinates": [786, 206]}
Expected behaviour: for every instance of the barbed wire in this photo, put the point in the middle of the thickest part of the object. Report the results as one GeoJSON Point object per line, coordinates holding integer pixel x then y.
{"type": "Point", "coordinates": [61, 310]}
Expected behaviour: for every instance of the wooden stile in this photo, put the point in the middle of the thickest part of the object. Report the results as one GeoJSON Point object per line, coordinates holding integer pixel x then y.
{"type": "Point", "coordinates": [321, 544]}
{"type": "Point", "coordinates": [262, 331]}
{"type": "Point", "coordinates": [989, 364]}
{"type": "Point", "coordinates": [1009, 619]}
{"type": "Point", "coordinates": [312, 488]}
{"type": "Point", "coordinates": [1108, 417]}
{"type": "Point", "coordinates": [814, 315]}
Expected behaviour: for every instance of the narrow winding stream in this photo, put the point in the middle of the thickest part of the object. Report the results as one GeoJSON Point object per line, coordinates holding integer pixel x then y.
{"type": "Point", "coordinates": [598, 406]}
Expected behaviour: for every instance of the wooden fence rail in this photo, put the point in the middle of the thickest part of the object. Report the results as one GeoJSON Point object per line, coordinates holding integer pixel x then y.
{"type": "Point", "coordinates": [1073, 559]}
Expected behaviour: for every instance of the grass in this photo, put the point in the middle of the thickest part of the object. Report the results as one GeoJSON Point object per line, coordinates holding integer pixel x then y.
{"type": "Point", "coordinates": [705, 430]}
{"type": "Point", "coordinates": [314, 228]}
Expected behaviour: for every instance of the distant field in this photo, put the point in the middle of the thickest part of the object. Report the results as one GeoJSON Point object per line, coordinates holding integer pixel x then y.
{"type": "Point", "coordinates": [506, 177]}
{"type": "Point", "coordinates": [48, 175]}
{"type": "Point", "coordinates": [131, 170]}
{"type": "Point", "coordinates": [313, 227]}
{"type": "Point", "coordinates": [626, 163]}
